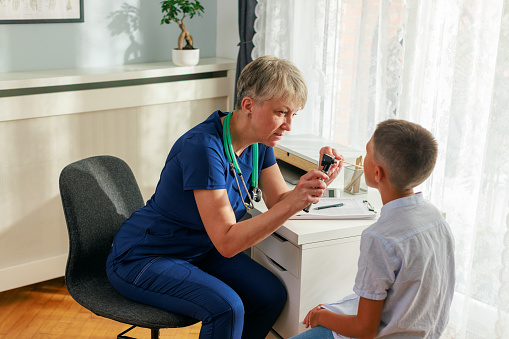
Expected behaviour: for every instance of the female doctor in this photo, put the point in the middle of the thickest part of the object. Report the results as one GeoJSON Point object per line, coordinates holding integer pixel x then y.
{"type": "Point", "coordinates": [183, 251]}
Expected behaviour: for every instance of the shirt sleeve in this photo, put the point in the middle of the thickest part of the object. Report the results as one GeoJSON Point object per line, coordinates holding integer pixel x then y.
{"type": "Point", "coordinates": [203, 163]}
{"type": "Point", "coordinates": [269, 158]}
{"type": "Point", "coordinates": [376, 268]}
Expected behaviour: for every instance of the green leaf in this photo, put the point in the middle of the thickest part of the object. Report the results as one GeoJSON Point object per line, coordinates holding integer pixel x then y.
{"type": "Point", "coordinates": [173, 9]}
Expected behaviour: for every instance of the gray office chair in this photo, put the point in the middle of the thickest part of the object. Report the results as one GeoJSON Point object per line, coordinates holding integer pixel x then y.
{"type": "Point", "coordinates": [98, 195]}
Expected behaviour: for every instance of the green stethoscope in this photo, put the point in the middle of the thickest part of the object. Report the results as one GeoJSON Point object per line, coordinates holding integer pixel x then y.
{"type": "Point", "coordinates": [256, 193]}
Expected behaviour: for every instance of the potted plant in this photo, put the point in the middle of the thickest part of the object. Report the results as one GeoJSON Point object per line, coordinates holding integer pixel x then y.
{"type": "Point", "coordinates": [177, 11]}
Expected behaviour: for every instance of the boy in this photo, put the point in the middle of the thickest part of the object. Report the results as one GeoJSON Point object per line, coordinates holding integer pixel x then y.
{"type": "Point", "coordinates": [405, 280]}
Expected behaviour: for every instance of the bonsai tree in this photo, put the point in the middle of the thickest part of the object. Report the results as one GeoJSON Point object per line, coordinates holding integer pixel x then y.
{"type": "Point", "coordinates": [177, 11]}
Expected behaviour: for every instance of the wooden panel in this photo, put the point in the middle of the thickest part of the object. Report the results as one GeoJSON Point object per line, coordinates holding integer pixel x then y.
{"type": "Point", "coordinates": [294, 160]}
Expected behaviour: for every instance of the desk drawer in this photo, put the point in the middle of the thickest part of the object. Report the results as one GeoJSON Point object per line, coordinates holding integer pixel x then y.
{"type": "Point", "coordinates": [289, 323]}
{"type": "Point", "coordinates": [291, 283]}
{"type": "Point", "coordinates": [283, 252]}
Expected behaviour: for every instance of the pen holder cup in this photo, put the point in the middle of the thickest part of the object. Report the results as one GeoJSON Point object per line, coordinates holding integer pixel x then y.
{"type": "Point", "coordinates": [354, 180]}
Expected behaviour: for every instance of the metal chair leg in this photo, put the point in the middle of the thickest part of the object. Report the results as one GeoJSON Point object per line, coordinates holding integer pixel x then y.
{"type": "Point", "coordinates": [122, 336]}
{"type": "Point", "coordinates": [154, 333]}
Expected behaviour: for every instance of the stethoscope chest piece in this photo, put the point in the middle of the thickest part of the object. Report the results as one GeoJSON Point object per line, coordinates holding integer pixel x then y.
{"type": "Point", "coordinates": [256, 193]}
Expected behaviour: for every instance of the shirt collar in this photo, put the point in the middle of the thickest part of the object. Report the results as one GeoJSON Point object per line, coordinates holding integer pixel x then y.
{"type": "Point", "coordinates": [411, 200]}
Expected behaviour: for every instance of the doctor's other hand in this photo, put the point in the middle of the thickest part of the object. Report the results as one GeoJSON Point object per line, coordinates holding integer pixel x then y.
{"type": "Point", "coordinates": [309, 189]}
{"type": "Point", "coordinates": [336, 167]}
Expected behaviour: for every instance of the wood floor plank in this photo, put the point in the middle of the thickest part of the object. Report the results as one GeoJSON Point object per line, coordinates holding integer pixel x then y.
{"type": "Point", "coordinates": [11, 308]}
{"type": "Point", "coordinates": [21, 315]}
{"type": "Point", "coordinates": [47, 311]}
{"type": "Point", "coordinates": [56, 308]}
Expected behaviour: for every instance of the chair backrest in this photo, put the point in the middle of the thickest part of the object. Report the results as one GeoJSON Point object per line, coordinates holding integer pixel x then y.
{"type": "Point", "coordinates": [98, 195]}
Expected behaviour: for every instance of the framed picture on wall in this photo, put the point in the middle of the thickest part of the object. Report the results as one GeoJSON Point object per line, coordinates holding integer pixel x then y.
{"type": "Point", "coordinates": [40, 11]}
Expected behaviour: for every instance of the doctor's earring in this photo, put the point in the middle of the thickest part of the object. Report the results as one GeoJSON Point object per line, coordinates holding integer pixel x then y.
{"type": "Point", "coordinates": [249, 115]}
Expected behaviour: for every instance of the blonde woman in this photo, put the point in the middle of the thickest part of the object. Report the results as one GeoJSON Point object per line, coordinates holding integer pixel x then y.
{"type": "Point", "coordinates": [183, 251]}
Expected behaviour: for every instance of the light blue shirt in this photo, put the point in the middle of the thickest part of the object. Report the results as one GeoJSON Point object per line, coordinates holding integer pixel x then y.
{"type": "Point", "coordinates": [407, 260]}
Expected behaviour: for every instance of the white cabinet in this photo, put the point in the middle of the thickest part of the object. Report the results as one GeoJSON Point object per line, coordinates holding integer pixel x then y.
{"type": "Point", "coordinates": [312, 273]}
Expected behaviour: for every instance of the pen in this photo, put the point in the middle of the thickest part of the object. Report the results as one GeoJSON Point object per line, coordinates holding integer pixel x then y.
{"type": "Point", "coordinates": [329, 206]}
{"type": "Point", "coordinates": [368, 205]}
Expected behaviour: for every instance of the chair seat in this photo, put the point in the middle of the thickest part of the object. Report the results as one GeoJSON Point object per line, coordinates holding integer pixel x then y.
{"type": "Point", "coordinates": [100, 297]}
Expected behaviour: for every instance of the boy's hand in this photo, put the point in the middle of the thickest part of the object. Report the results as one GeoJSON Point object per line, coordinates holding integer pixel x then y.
{"type": "Point", "coordinates": [311, 318]}
{"type": "Point", "coordinates": [364, 324]}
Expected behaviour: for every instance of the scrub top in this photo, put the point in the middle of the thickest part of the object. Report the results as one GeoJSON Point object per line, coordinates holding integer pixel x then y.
{"type": "Point", "coordinates": [170, 224]}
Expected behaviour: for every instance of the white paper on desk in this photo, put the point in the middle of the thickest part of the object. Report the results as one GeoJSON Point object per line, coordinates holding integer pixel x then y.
{"type": "Point", "coordinates": [352, 208]}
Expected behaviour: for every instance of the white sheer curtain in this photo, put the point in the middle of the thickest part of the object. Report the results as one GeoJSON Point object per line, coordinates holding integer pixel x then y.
{"type": "Point", "coordinates": [291, 30]}
{"type": "Point", "coordinates": [443, 64]}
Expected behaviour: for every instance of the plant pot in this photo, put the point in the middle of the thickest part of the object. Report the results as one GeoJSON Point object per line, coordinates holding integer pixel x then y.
{"type": "Point", "coordinates": [185, 57]}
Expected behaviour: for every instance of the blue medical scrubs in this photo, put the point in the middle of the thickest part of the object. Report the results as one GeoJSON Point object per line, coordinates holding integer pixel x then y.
{"type": "Point", "coordinates": [162, 255]}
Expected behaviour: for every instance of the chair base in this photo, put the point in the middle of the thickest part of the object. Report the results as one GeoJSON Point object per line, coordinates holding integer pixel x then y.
{"type": "Point", "coordinates": [154, 333]}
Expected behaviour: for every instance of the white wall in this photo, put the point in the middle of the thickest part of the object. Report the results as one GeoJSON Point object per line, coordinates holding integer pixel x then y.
{"type": "Point", "coordinates": [107, 37]}
{"type": "Point", "coordinates": [227, 29]}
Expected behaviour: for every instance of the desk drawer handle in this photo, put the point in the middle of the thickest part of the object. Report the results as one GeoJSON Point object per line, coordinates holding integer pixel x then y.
{"type": "Point", "coordinates": [279, 237]}
{"type": "Point", "coordinates": [279, 267]}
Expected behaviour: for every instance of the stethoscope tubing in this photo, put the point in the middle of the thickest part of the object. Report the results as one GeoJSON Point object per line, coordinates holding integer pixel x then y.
{"type": "Point", "coordinates": [234, 166]}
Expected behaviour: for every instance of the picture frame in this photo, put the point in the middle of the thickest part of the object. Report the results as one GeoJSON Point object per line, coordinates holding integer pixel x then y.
{"type": "Point", "coordinates": [41, 11]}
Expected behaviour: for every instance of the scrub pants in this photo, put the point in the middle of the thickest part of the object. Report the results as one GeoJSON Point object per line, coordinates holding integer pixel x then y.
{"type": "Point", "coordinates": [232, 297]}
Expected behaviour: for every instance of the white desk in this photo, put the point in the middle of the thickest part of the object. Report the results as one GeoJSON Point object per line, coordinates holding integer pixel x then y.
{"type": "Point", "coordinates": [315, 259]}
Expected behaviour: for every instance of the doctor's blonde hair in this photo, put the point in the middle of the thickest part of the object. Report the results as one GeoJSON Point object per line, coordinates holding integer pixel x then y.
{"type": "Point", "coordinates": [268, 77]}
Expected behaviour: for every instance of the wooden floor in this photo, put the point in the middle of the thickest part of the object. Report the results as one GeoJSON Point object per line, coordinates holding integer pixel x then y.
{"type": "Point", "coordinates": [46, 310]}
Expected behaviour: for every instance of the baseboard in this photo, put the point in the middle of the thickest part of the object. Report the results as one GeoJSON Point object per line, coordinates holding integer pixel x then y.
{"type": "Point", "coordinates": [32, 272]}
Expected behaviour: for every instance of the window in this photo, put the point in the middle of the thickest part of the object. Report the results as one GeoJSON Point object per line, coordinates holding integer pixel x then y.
{"type": "Point", "coordinates": [442, 64]}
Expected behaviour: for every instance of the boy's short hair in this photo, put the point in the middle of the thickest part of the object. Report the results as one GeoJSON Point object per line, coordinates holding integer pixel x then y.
{"type": "Point", "coordinates": [407, 150]}
{"type": "Point", "coordinates": [268, 77]}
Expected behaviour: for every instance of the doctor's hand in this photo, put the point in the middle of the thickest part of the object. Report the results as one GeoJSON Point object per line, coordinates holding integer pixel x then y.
{"type": "Point", "coordinates": [336, 167]}
{"type": "Point", "coordinates": [309, 189]}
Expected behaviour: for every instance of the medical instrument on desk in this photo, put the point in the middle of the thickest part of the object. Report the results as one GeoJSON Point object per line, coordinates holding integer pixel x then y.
{"type": "Point", "coordinates": [327, 162]}
{"type": "Point", "coordinates": [256, 193]}
{"type": "Point", "coordinates": [329, 206]}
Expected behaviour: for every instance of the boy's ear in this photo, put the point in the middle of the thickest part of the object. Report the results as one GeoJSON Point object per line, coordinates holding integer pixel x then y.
{"type": "Point", "coordinates": [379, 173]}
